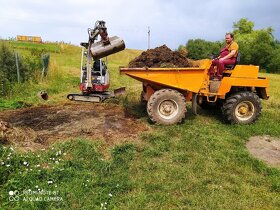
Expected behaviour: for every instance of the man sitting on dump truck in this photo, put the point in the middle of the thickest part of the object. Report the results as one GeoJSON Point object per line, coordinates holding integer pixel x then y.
{"type": "Point", "coordinates": [227, 56]}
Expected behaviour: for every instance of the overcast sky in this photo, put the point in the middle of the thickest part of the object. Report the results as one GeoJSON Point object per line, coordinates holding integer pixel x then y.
{"type": "Point", "coordinates": [172, 22]}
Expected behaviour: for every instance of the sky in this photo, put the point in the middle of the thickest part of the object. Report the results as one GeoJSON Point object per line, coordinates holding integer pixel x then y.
{"type": "Point", "coordinates": [171, 22]}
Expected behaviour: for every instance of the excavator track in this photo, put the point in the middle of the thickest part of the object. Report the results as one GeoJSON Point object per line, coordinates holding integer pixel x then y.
{"type": "Point", "coordinates": [96, 97]}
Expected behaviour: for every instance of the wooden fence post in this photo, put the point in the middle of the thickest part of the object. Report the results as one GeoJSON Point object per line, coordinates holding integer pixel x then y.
{"type": "Point", "coordinates": [18, 73]}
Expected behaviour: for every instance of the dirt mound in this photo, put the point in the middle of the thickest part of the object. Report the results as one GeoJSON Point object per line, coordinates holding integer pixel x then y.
{"type": "Point", "coordinates": [160, 57]}
{"type": "Point", "coordinates": [38, 127]}
{"type": "Point", "coordinates": [265, 148]}
{"type": "Point", "coordinates": [20, 137]}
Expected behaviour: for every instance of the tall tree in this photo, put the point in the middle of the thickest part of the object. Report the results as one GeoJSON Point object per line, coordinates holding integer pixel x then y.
{"type": "Point", "coordinates": [243, 26]}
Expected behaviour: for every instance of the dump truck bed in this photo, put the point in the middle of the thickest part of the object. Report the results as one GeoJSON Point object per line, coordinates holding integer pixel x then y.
{"type": "Point", "coordinates": [188, 79]}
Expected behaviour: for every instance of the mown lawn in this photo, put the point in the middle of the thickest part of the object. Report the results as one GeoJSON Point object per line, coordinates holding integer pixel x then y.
{"type": "Point", "coordinates": [200, 164]}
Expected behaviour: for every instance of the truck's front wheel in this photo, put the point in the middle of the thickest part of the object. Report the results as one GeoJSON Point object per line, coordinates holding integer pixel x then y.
{"type": "Point", "coordinates": [166, 107]}
{"type": "Point", "coordinates": [242, 108]}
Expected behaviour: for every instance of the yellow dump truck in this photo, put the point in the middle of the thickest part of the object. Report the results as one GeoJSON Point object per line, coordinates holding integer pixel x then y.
{"type": "Point", "coordinates": [166, 91]}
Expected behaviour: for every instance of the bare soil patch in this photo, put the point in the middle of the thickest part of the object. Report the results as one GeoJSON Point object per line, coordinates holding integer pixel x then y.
{"type": "Point", "coordinates": [160, 57]}
{"type": "Point", "coordinates": [34, 128]}
{"type": "Point", "coordinates": [265, 148]}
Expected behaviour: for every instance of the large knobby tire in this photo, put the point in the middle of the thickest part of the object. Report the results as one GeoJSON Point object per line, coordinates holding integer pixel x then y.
{"type": "Point", "coordinates": [242, 108]}
{"type": "Point", "coordinates": [167, 107]}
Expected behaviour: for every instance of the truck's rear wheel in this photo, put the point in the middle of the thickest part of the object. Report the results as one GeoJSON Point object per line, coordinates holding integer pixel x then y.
{"type": "Point", "coordinates": [242, 108]}
{"type": "Point", "coordinates": [166, 107]}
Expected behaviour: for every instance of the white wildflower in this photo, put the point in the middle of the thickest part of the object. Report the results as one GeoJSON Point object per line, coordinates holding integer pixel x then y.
{"type": "Point", "coordinates": [58, 153]}
{"type": "Point", "coordinates": [8, 165]}
{"type": "Point", "coordinates": [11, 192]}
{"type": "Point", "coordinates": [50, 182]}
{"type": "Point", "coordinates": [56, 162]}
{"type": "Point", "coordinates": [110, 194]}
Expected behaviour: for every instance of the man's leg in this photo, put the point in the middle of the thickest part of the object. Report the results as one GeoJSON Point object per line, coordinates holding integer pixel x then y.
{"type": "Point", "coordinates": [221, 66]}
{"type": "Point", "coordinates": [211, 71]}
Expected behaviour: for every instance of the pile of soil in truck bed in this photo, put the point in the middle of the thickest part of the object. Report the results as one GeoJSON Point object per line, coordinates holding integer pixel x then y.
{"type": "Point", "coordinates": [160, 57]}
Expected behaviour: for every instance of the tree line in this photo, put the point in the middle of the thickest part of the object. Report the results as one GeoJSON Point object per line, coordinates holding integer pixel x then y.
{"type": "Point", "coordinates": [257, 47]}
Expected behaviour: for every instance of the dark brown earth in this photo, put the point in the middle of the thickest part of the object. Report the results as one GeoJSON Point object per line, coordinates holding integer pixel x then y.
{"type": "Point", "coordinates": [265, 148]}
{"type": "Point", "coordinates": [160, 57]}
{"type": "Point", "coordinates": [34, 128]}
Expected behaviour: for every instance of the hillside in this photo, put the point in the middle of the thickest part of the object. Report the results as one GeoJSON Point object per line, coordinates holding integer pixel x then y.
{"type": "Point", "coordinates": [64, 73]}
{"type": "Point", "coordinates": [109, 156]}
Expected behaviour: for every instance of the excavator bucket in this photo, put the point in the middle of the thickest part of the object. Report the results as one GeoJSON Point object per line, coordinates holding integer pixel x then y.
{"type": "Point", "coordinates": [43, 95]}
{"type": "Point", "coordinates": [99, 50]}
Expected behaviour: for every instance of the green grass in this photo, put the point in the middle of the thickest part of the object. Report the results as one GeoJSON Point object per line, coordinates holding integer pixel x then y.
{"type": "Point", "coordinates": [50, 47]}
{"type": "Point", "coordinates": [200, 164]}
{"type": "Point", "coordinates": [73, 173]}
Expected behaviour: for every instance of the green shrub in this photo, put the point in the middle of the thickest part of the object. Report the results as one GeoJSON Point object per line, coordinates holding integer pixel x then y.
{"type": "Point", "coordinates": [30, 67]}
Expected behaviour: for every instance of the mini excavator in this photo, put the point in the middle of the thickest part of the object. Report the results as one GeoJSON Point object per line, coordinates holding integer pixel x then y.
{"type": "Point", "coordinates": [95, 80]}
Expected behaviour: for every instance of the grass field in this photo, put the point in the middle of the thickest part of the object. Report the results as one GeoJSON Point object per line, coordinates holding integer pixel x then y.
{"type": "Point", "coordinates": [200, 164]}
